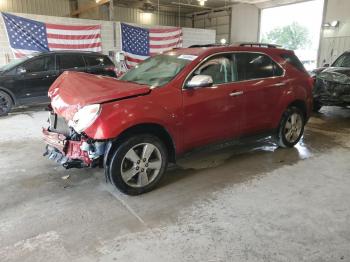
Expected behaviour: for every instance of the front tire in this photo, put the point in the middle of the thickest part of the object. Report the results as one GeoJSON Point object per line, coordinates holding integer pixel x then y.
{"type": "Point", "coordinates": [6, 103]}
{"type": "Point", "coordinates": [291, 127]}
{"type": "Point", "coordinates": [138, 164]}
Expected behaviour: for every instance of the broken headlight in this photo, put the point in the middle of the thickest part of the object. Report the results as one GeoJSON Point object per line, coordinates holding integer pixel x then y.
{"type": "Point", "coordinates": [85, 117]}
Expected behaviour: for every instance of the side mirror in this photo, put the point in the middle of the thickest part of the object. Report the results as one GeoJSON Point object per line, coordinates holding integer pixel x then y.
{"type": "Point", "coordinates": [200, 81]}
{"type": "Point", "coordinates": [21, 70]}
{"type": "Point", "coordinates": [326, 65]}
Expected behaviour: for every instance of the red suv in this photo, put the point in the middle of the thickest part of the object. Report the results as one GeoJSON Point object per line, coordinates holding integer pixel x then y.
{"type": "Point", "coordinates": [172, 103]}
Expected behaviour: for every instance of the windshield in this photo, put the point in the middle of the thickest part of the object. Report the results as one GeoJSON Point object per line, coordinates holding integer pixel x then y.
{"type": "Point", "coordinates": [342, 61]}
{"type": "Point", "coordinates": [156, 71]}
{"type": "Point", "coordinates": [12, 64]}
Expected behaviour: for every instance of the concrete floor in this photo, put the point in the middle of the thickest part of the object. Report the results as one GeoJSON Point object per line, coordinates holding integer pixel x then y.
{"type": "Point", "coordinates": [243, 203]}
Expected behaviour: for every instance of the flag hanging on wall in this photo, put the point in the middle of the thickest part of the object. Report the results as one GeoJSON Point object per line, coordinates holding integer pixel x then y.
{"type": "Point", "coordinates": [140, 43]}
{"type": "Point", "coordinates": [28, 36]}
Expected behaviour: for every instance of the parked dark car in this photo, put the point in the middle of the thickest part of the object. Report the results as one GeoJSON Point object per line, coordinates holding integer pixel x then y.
{"type": "Point", "coordinates": [173, 103]}
{"type": "Point", "coordinates": [26, 81]}
{"type": "Point", "coordinates": [332, 85]}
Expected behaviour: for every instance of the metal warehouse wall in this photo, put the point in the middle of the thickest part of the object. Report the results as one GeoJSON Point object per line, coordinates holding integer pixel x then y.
{"type": "Point", "coordinates": [191, 36]}
{"type": "Point", "coordinates": [44, 7]}
{"type": "Point", "coordinates": [334, 41]}
{"type": "Point", "coordinates": [219, 21]}
{"type": "Point", "coordinates": [133, 15]}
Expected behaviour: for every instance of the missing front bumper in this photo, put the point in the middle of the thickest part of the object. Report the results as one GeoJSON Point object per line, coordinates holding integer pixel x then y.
{"type": "Point", "coordinates": [71, 153]}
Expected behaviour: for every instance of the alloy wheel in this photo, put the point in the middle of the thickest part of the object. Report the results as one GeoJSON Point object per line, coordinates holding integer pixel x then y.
{"type": "Point", "coordinates": [141, 165]}
{"type": "Point", "coordinates": [4, 105]}
{"type": "Point", "coordinates": [293, 127]}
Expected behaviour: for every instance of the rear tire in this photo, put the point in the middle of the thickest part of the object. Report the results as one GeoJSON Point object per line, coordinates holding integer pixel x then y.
{"type": "Point", "coordinates": [138, 164]}
{"type": "Point", "coordinates": [291, 127]}
{"type": "Point", "coordinates": [6, 103]}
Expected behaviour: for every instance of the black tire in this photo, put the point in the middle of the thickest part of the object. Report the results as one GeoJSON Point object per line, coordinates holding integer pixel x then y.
{"type": "Point", "coordinates": [119, 158]}
{"type": "Point", "coordinates": [283, 137]}
{"type": "Point", "coordinates": [6, 103]}
{"type": "Point", "coordinates": [316, 106]}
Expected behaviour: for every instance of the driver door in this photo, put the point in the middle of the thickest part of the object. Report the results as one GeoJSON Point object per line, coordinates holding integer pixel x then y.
{"type": "Point", "coordinates": [36, 77]}
{"type": "Point", "coordinates": [209, 112]}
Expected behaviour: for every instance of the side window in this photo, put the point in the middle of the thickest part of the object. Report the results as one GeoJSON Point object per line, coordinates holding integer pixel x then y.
{"type": "Point", "coordinates": [71, 61]}
{"type": "Point", "coordinates": [98, 61]}
{"type": "Point", "coordinates": [255, 66]}
{"type": "Point", "coordinates": [219, 67]}
{"type": "Point", "coordinates": [41, 64]}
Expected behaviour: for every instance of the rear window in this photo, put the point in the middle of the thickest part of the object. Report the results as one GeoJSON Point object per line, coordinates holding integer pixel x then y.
{"type": "Point", "coordinates": [294, 61]}
{"type": "Point", "coordinates": [98, 61]}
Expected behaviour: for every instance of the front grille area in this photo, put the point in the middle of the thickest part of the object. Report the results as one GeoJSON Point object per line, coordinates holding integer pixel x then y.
{"type": "Point", "coordinates": [58, 125]}
{"type": "Point", "coordinates": [333, 88]}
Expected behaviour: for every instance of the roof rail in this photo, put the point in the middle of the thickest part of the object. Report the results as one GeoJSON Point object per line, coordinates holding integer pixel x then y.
{"type": "Point", "coordinates": [253, 44]}
{"type": "Point", "coordinates": [207, 45]}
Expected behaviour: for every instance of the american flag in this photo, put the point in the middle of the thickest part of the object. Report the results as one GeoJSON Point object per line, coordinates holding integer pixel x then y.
{"type": "Point", "coordinates": [140, 43]}
{"type": "Point", "coordinates": [27, 36]}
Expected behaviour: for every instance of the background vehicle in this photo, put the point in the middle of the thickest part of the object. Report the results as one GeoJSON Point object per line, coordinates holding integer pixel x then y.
{"type": "Point", "coordinates": [332, 85]}
{"type": "Point", "coordinates": [173, 103]}
{"type": "Point", "coordinates": [26, 81]}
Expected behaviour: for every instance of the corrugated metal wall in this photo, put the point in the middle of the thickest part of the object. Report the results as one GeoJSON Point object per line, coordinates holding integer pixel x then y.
{"type": "Point", "coordinates": [124, 14]}
{"type": "Point", "coordinates": [133, 15]}
{"type": "Point", "coordinates": [219, 21]}
{"type": "Point", "coordinates": [332, 47]}
{"type": "Point", "coordinates": [43, 7]}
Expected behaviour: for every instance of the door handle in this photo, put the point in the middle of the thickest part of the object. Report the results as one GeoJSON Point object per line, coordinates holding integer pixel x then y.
{"type": "Point", "coordinates": [236, 93]}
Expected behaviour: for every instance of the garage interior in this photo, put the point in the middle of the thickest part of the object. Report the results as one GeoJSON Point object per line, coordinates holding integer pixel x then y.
{"type": "Point", "coordinates": [243, 202]}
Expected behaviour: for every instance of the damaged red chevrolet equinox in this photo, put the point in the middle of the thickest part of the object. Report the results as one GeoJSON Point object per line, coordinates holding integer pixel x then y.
{"type": "Point", "coordinates": [172, 103]}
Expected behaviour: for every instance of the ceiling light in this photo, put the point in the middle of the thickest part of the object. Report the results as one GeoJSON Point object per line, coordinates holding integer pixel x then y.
{"type": "Point", "coordinates": [334, 23]}
{"type": "Point", "coordinates": [202, 2]}
{"type": "Point", "coordinates": [223, 41]}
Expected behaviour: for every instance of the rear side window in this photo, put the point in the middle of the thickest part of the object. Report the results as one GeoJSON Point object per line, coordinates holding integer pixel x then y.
{"type": "Point", "coordinates": [71, 61]}
{"type": "Point", "coordinates": [255, 66]}
{"type": "Point", "coordinates": [98, 61]}
{"type": "Point", "coordinates": [294, 61]}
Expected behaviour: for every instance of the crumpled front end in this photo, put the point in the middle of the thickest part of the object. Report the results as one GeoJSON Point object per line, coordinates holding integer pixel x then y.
{"type": "Point", "coordinates": [70, 149]}
{"type": "Point", "coordinates": [332, 93]}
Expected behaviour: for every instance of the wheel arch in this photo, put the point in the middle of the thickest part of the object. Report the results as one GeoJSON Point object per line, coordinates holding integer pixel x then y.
{"type": "Point", "coordinates": [12, 96]}
{"type": "Point", "coordinates": [301, 105]}
{"type": "Point", "coordinates": [144, 128]}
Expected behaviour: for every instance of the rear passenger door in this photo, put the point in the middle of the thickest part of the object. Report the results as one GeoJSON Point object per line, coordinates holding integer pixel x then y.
{"type": "Point", "coordinates": [71, 62]}
{"type": "Point", "coordinates": [99, 65]}
{"type": "Point", "coordinates": [261, 82]}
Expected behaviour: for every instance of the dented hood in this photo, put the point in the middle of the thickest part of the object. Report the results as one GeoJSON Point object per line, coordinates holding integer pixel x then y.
{"type": "Point", "coordinates": [74, 90]}
{"type": "Point", "coordinates": [339, 75]}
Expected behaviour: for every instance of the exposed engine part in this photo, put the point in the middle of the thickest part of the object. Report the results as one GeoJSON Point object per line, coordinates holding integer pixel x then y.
{"type": "Point", "coordinates": [94, 149]}
{"type": "Point", "coordinates": [331, 93]}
